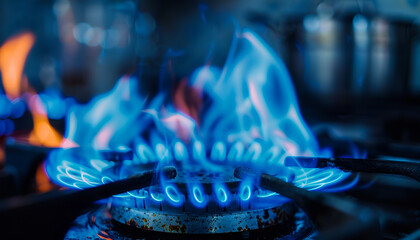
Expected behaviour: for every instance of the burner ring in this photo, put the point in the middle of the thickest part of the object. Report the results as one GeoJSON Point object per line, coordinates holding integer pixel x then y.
{"type": "Point", "coordinates": [238, 221]}
{"type": "Point", "coordinates": [205, 197]}
{"type": "Point", "coordinates": [205, 182]}
{"type": "Point", "coordinates": [215, 193]}
{"type": "Point", "coordinates": [99, 222]}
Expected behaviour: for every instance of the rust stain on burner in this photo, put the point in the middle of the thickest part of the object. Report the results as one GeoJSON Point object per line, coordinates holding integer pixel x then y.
{"type": "Point", "coordinates": [183, 228]}
{"type": "Point", "coordinates": [260, 222]}
{"type": "Point", "coordinates": [206, 223]}
{"type": "Point", "coordinates": [174, 228]}
{"type": "Point", "coordinates": [240, 229]}
{"type": "Point", "coordinates": [145, 227]}
{"type": "Point", "coordinates": [177, 228]}
{"type": "Point", "coordinates": [132, 223]}
{"type": "Point", "coordinates": [281, 215]}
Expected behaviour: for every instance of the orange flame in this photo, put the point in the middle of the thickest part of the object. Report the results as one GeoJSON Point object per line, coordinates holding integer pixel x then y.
{"type": "Point", "coordinates": [187, 100]}
{"type": "Point", "coordinates": [43, 133]}
{"type": "Point", "coordinates": [42, 181]}
{"type": "Point", "coordinates": [13, 54]}
{"type": "Point", "coordinates": [104, 235]}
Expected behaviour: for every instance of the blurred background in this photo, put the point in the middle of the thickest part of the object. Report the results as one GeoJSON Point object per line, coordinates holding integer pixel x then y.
{"type": "Point", "coordinates": [355, 66]}
{"type": "Point", "coordinates": [355, 63]}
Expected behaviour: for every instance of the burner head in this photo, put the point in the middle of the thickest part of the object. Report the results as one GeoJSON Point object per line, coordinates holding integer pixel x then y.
{"type": "Point", "coordinates": [205, 197]}
{"type": "Point", "coordinates": [100, 222]}
{"type": "Point", "coordinates": [202, 202]}
{"type": "Point", "coordinates": [205, 189]}
{"type": "Point", "coordinates": [205, 181]}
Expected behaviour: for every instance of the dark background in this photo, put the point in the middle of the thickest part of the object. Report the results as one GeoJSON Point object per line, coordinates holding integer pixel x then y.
{"type": "Point", "coordinates": [353, 63]}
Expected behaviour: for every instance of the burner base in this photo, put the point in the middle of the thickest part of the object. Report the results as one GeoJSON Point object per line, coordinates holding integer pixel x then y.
{"type": "Point", "coordinates": [98, 224]}
{"type": "Point", "coordinates": [228, 222]}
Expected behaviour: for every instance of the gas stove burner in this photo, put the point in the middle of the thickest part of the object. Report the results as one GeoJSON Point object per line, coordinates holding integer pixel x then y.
{"type": "Point", "coordinates": [201, 200]}
{"type": "Point", "coordinates": [205, 197]}
{"type": "Point", "coordinates": [205, 223]}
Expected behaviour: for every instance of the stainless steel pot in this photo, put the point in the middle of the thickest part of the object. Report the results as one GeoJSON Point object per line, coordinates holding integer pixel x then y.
{"type": "Point", "coordinates": [349, 53]}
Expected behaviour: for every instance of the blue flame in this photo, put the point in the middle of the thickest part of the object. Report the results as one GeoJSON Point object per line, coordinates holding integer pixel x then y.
{"type": "Point", "coordinates": [173, 195]}
{"type": "Point", "coordinates": [222, 194]}
{"type": "Point", "coordinates": [54, 103]}
{"type": "Point", "coordinates": [251, 117]}
{"type": "Point", "coordinates": [245, 189]}
{"type": "Point", "coordinates": [262, 104]}
{"type": "Point", "coordinates": [245, 192]}
{"type": "Point", "coordinates": [158, 197]}
{"type": "Point", "coordinates": [266, 194]}
{"type": "Point", "coordinates": [218, 151]}
{"type": "Point", "coordinates": [197, 195]}
{"type": "Point", "coordinates": [142, 194]}
{"type": "Point", "coordinates": [180, 151]}
{"type": "Point", "coordinates": [108, 120]}
{"type": "Point", "coordinates": [144, 152]}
